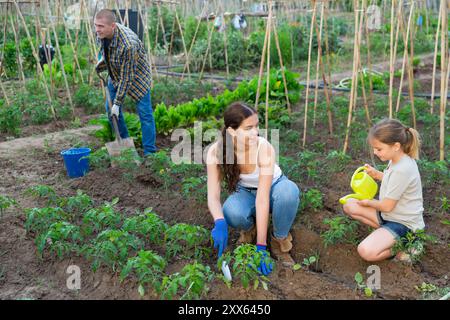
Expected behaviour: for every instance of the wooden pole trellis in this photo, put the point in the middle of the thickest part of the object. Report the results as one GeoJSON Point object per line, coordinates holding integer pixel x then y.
{"type": "Point", "coordinates": [36, 57]}
{"type": "Point", "coordinates": [58, 50]}
{"type": "Point", "coordinates": [356, 56]}
{"type": "Point", "coordinates": [269, 23]}
{"type": "Point", "coordinates": [433, 80]}
{"type": "Point", "coordinates": [444, 77]}
{"type": "Point", "coordinates": [319, 60]}
{"type": "Point", "coordinates": [283, 74]}
{"type": "Point", "coordinates": [261, 66]}
{"type": "Point", "coordinates": [305, 122]}
{"type": "Point", "coordinates": [392, 60]}
{"type": "Point", "coordinates": [186, 65]}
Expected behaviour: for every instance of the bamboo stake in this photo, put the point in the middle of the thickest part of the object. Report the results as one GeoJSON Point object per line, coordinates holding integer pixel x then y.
{"type": "Point", "coordinates": [183, 41]}
{"type": "Point", "coordinates": [4, 34]}
{"type": "Point", "coordinates": [269, 22]}
{"type": "Point", "coordinates": [207, 50]}
{"type": "Point", "coordinates": [405, 58]}
{"type": "Point", "coordinates": [58, 50]}
{"type": "Point", "coordinates": [369, 63]}
{"type": "Point", "coordinates": [147, 36]}
{"type": "Point", "coordinates": [327, 82]}
{"type": "Point", "coordinates": [283, 74]}
{"type": "Point", "coordinates": [392, 60]}
{"type": "Point", "coordinates": [319, 59]}
{"type": "Point", "coordinates": [444, 78]}
{"type": "Point", "coordinates": [193, 39]}
{"type": "Point", "coordinates": [171, 44]}
{"type": "Point", "coordinates": [19, 56]}
{"type": "Point", "coordinates": [36, 57]}
{"type": "Point", "coordinates": [354, 90]}
{"type": "Point", "coordinates": [305, 122]}
{"type": "Point", "coordinates": [74, 49]}
{"type": "Point", "coordinates": [261, 66]}
{"type": "Point", "coordinates": [433, 79]}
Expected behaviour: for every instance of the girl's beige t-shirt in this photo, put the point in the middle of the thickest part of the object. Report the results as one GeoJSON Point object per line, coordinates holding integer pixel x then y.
{"type": "Point", "coordinates": [401, 182]}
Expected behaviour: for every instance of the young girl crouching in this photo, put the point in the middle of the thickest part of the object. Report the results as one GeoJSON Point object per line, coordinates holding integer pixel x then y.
{"type": "Point", "coordinates": [399, 209]}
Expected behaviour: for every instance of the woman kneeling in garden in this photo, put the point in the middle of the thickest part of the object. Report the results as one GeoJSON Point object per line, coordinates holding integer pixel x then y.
{"type": "Point", "coordinates": [246, 163]}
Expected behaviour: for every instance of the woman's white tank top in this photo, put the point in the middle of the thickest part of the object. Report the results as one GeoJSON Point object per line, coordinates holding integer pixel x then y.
{"type": "Point", "coordinates": [250, 180]}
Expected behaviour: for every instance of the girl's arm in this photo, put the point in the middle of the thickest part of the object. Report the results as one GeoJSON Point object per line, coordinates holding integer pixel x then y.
{"type": "Point", "coordinates": [385, 205]}
{"type": "Point", "coordinates": [213, 172]}
{"type": "Point", "coordinates": [266, 161]}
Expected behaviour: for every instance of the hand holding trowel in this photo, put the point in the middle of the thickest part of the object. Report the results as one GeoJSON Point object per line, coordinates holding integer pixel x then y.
{"type": "Point", "coordinates": [220, 237]}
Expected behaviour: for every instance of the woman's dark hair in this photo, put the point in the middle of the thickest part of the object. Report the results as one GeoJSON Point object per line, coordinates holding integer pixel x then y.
{"type": "Point", "coordinates": [229, 168]}
{"type": "Point", "coordinates": [390, 131]}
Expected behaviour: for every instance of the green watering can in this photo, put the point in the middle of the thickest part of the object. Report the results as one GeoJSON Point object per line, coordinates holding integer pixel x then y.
{"type": "Point", "coordinates": [363, 185]}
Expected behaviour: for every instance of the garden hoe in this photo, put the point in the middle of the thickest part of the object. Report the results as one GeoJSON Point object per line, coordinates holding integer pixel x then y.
{"type": "Point", "coordinates": [116, 147]}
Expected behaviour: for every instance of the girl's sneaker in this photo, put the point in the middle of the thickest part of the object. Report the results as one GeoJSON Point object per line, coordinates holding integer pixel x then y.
{"type": "Point", "coordinates": [411, 255]}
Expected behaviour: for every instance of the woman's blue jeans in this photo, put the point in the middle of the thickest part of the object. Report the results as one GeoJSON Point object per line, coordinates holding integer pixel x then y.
{"type": "Point", "coordinates": [145, 111]}
{"type": "Point", "coordinates": [240, 209]}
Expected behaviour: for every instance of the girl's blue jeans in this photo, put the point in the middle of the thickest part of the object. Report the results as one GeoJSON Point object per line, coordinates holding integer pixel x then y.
{"type": "Point", "coordinates": [240, 210]}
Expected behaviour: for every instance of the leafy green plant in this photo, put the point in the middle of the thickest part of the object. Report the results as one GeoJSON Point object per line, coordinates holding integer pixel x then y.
{"type": "Point", "coordinates": [337, 161]}
{"type": "Point", "coordinates": [43, 192]}
{"type": "Point", "coordinates": [148, 225]}
{"type": "Point", "coordinates": [246, 261]}
{"type": "Point", "coordinates": [5, 203]}
{"type": "Point", "coordinates": [312, 199]}
{"type": "Point", "coordinates": [413, 244]}
{"type": "Point", "coordinates": [10, 118]}
{"type": "Point", "coordinates": [89, 98]}
{"type": "Point", "coordinates": [194, 187]}
{"type": "Point", "coordinates": [99, 159]}
{"type": "Point", "coordinates": [61, 238]}
{"type": "Point", "coordinates": [112, 247]}
{"type": "Point", "coordinates": [97, 219]}
{"type": "Point", "coordinates": [76, 204]}
{"type": "Point", "coordinates": [148, 268]}
{"type": "Point", "coordinates": [39, 219]}
{"type": "Point", "coordinates": [361, 285]}
{"type": "Point", "coordinates": [341, 230]}
{"type": "Point", "coordinates": [187, 240]}
{"type": "Point", "coordinates": [308, 262]}
{"type": "Point", "coordinates": [128, 160]}
{"type": "Point", "coordinates": [190, 283]}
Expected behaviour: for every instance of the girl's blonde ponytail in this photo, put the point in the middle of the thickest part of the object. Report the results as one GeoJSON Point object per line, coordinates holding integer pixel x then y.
{"type": "Point", "coordinates": [412, 145]}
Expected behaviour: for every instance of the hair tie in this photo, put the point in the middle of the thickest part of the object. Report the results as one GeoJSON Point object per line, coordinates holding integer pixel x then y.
{"type": "Point", "coordinates": [407, 129]}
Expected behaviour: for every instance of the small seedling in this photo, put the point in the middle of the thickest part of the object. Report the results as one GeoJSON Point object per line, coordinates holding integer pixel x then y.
{"type": "Point", "coordinates": [5, 203]}
{"type": "Point", "coordinates": [312, 199]}
{"type": "Point", "coordinates": [361, 285]}
{"type": "Point", "coordinates": [148, 225]}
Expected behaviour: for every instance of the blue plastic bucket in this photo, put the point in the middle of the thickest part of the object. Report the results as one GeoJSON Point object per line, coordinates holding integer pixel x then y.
{"type": "Point", "coordinates": [76, 166]}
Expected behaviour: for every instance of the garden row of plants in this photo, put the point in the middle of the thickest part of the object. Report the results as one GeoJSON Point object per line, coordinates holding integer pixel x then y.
{"type": "Point", "coordinates": [138, 247]}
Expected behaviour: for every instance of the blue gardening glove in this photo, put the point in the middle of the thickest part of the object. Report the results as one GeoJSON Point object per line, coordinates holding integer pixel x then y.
{"type": "Point", "coordinates": [220, 235]}
{"type": "Point", "coordinates": [264, 268]}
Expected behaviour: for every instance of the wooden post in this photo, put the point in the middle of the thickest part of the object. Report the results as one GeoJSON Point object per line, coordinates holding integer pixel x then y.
{"type": "Point", "coordinates": [19, 57]}
{"type": "Point", "coordinates": [182, 39]}
{"type": "Point", "coordinates": [392, 60]}
{"type": "Point", "coordinates": [186, 65]}
{"type": "Point", "coordinates": [444, 78]}
{"type": "Point", "coordinates": [405, 59]}
{"type": "Point", "coordinates": [277, 43]}
{"type": "Point", "coordinates": [433, 79]}
{"type": "Point", "coordinates": [354, 89]}
{"type": "Point", "coordinates": [263, 59]}
{"type": "Point", "coordinates": [305, 122]}
{"type": "Point", "coordinates": [58, 50]}
{"type": "Point", "coordinates": [319, 60]}
{"type": "Point", "coordinates": [269, 22]}
{"type": "Point", "coordinates": [210, 31]}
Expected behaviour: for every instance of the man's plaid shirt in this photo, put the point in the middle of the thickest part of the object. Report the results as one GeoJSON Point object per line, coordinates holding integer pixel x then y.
{"type": "Point", "coordinates": [127, 64]}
